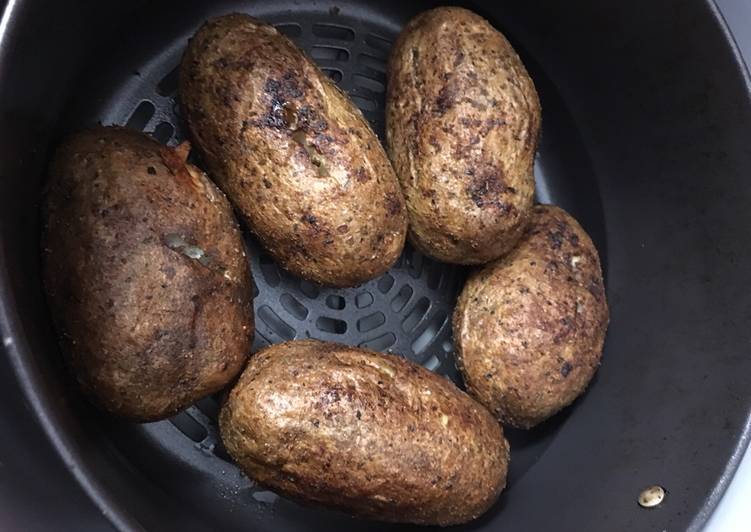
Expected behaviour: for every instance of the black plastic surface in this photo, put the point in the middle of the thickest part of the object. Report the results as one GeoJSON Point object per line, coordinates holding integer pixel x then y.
{"type": "Point", "coordinates": [644, 141]}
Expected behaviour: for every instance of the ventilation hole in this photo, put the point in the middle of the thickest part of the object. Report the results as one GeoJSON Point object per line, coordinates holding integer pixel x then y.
{"type": "Point", "coordinates": [449, 279]}
{"type": "Point", "coordinates": [407, 255]}
{"type": "Point", "coordinates": [290, 29]}
{"type": "Point", "coordinates": [286, 276]}
{"type": "Point", "coordinates": [380, 343]}
{"type": "Point", "coordinates": [141, 116]}
{"type": "Point", "coordinates": [369, 83]}
{"type": "Point", "coordinates": [175, 109]}
{"type": "Point", "coordinates": [334, 75]}
{"type": "Point", "coordinates": [363, 300]}
{"type": "Point", "coordinates": [385, 283]}
{"type": "Point", "coordinates": [446, 346]}
{"type": "Point", "coordinates": [379, 43]}
{"type": "Point", "coordinates": [414, 264]}
{"type": "Point", "coordinates": [278, 327]}
{"type": "Point", "coordinates": [269, 271]}
{"type": "Point", "coordinates": [208, 407]}
{"type": "Point", "coordinates": [432, 363]}
{"type": "Point", "coordinates": [402, 298]}
{"type": "Point", "coordinates": [333, 31]}
{"type": "Point", "coordinates": [367, 94]}
{"type": "Point", "coordinates": [370, 322]}
{"type": "Point", "coordinates": [365, 104]}
{"type": "Point", "coordinates": [376, 63]}
{"type": "Point", "coordinates": [371, 73]}
{"type": "Point", "coordinates": [432, 329]}
{"type": "Point", "coordinates": [260, 341]}
{"type": "Point", "coordinates": [163, 132]}
{"type": "Point", "coordinates": [335, 302]}
{"type": "Point", "coordinates": [221, 453]}
{"type": "Point", "coordinates": [329, 53]}
{"type": "Point", "coordinates": [189, 426]}
{"type": "Point", "coordinates": [168, 85]}
{"type": "Point", "coordinates": [331, 325]}
{"type": "Point", "coordinates": [293, 306]}
{"type": "Point", "coordinates": [309, 289]}
{"type": "Point", "coordinates": [434, 274]}
{"type": "Point", "coordinates": [416, 314]}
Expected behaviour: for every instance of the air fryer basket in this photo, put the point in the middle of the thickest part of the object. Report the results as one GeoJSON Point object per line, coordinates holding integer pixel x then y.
{"type": "Point", "coordinates": [645, 131]}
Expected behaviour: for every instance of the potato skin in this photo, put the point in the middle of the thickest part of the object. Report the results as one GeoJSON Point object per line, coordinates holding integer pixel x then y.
{"type": "Point", "coordinates": [529, 328]}
{"type": "Point", "coordinates": [462, 125]}
{"type": "Point", "coordinates": [146, 329]}
{"type": "Point", "coordinates": [292, 152]}
{"type": "Point", "coordinates": [371, 434]}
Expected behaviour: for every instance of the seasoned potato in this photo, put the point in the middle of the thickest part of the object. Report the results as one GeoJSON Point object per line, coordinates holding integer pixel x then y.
{"type": "Point", "coordinates": [292, 152]}
{"type": "Point", "coordinates": [529, 328]}
{"type": "Point", "coordinates": [374, 435]}
{"type": "Point", "coordinates": [462, 124]}
{"type": "Point", "coordinates": [145, 273]}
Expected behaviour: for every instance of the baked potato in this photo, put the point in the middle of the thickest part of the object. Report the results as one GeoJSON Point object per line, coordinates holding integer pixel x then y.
{"type": "Point", "coordinates": [374, 435]}
{"type": "Point", "coordinates": [145, 273]}
{"type": "Point", "coordinates": [529, 328]}
{"type": "Point", "coordinates": [292, 152]}
{"type": "Point", "coordinates": [462, 125]}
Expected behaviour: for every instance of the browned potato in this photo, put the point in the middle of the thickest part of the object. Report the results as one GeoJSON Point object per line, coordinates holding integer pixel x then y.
{"type": "Point", "coordinates": [529, 328]}
{"type": "Point", "coordinates": [292, 152]}
{"type": "Point", "coordinates": [373, 435]}
{"type": "Point", "coordinates": [462, 124]}
{"type": "Point", "coordinates": [145, 273]}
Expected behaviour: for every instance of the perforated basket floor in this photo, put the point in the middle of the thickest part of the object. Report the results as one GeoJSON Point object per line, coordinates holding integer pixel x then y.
{"type": "Point", "coordinates": [406, 311]}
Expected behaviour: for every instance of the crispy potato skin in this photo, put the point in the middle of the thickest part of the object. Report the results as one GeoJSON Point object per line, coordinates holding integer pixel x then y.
{"type": "Point", "coordinates": [462, 125]}
{"type": "Point", "coordinates": [370, 434]}
{"type": "Point", "coordinates": [292, 152]}
{"type": "Point", "coordinates": [529, 328]}
{"type": "Point", "coordinates": [146, 329]}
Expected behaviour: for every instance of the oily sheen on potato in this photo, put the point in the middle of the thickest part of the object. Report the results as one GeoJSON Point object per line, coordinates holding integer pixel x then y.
{"type": "Point", "coordinates": [529, 328]}
{"type": "Point", "coordinates": [145, 274]}
{"type": "Point", "coordinates": [373, 435]}
{"type": "Point", "coordinates": [462, 125]}
{"type": "Point", "coordinates": [292, 152]}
